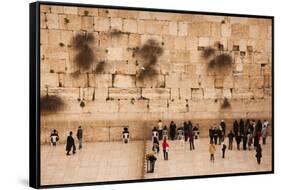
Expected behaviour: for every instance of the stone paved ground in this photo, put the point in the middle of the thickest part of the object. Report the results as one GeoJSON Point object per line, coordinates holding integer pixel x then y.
{"type": "Point", "coordinates": [183, 162]}
{"type": "Point", "coordinates": [106, 161]}
{"type": "Point", "coordinates": [102, 161]}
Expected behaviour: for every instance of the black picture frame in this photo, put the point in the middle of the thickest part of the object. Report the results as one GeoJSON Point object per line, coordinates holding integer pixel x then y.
{"type": "Point", "coordinates": [34, 92]}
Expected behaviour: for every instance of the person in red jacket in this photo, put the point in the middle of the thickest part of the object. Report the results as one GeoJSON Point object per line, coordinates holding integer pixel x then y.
{"type": "Point", "coordinates": [165, 146]}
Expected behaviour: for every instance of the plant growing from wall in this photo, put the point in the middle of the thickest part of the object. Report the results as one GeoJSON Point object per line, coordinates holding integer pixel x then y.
{"type": "Point", "coordinates": [225, 104]}
{"type": "Point", "coordinates": [84, 57]}
{"type": "Point", "coordinates": [51, 103]}
{"type": "Point", "coordinates": [149, 54]}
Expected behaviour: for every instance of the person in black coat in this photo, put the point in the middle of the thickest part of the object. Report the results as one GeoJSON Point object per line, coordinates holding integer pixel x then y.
{"type": "Point", "coordinates": [152, 159]}
{"type": "Point", "coordinates": [230, 139]}
{"type": "Point", "coordinates": [216, 134]}
{"type": "Point", "coordinates": [235, 128]}
{"type": "Point", "coordinates": [259, 153]}
{"type": "Point", "coordinates": [79, 136]}
{"type": "Point", "coordinates": [241, 126]}
{"type": "Point", "coordinates": [238, 140]}
{"type": "Point", "coordinates": [223, 126]}
{"type": "Point", "coordinates": [211, 134]}
{"type": "Point", "coordinates": [223, 149]}
{"type": "Point", "coordinates": [173, 129]}
{"type": "Point", "coordinates": [185, 129]}
{"type": "Point", "coordinates": [70, 144]}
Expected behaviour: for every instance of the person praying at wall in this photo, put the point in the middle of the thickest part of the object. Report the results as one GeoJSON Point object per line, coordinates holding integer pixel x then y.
{"type": "Point", "coordinates": [125, 135]}
{"type": "Point", "coordinates": [70, 144]}
{"type": "Point", "coordinates": [79, 136]}
{"type": "Point", "coordinates": [173, 130]}
{"type": "Point", "coordinates": [54, 137]}
{"type": "Point", "coordinates": [160, 129]}
{"type": "Point", "coordinates": [230, 140]}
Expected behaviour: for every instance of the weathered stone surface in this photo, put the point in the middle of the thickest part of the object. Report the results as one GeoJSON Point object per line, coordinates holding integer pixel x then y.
{"type": "Point", "coordinates": [133, 106]}
{"type": "Point", "coordinates": [158, 105]}
{"type": "Point", "coordinates": [124, 93]}
{"type": "Point", "coordinates": [49, 80]}
{"type": "Point", "coordinates": [178, 106]}
{"type": "Point", "coordinates": [197, 93]}
{"type": "Point", "coordinates": [124, 81]}
{"type": "Point", "coordinates": [115, 54]}
{"type": "Point", "coordinates": [155, 93]}
{"type": "Point", "coordinates": [100, 80]}
{"type": "Point", "coordinates": [102, 23]}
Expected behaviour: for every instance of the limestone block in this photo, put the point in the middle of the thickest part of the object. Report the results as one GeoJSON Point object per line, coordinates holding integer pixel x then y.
{"type": "Point", "coordinates": [183, 29]}
{"type": "Point", "coordinates": [258, 105]}
{"type": "Point", "coordinates": [70, 10]}
{"type": "Point", "coordinates": [85, 11]}
{"type": "Point", "coordinates": [66, 37]}
{"type": "Point", "coordinates": [267, 92]}
{"type": "Point", "coordinates": [128, 14]}
{"type": "Point", "coordinates": [53, 37]}
{"type": "Point", "coordinates": [64, 93]}
{"type": "Point", "coordinates": [116, 23]}
{"type": "Point", "coordinates": [156, 93]}
{"type": "Point", "coordinates": [146, 37]}
{"type": "Point", "coordinates": [202, 29]}
{"type": "Point", "coordinates": [103, 41]}
{"type": "Point", "coordinates": [176, 80]}
{"type": "Point", "coordinates": [45, 8]}
{"type": "Point", "coordinates": [157, 81]}
{"type": "Point", "coordinates": [124, 93]}
{"type": "Point", "coordinates": [44, 36]}
{"type": "Point", "coordinates": [124, 81]}
{"type": "Point", "coordinates": [203, 41]}
{"type": "Point", "coordinates": [52, 21]}
{"type": "Point", "coordinates": [216, 29]}
{"type": "Point", "coordinates": [267, 81]}
{"type": "Point", "coordinates": [195, 57]}
{"type": "Point", "coordinates": [258, 92]}
{"type": "Point", "coordinates": [120, 41]}
{"type": "Point", "coordinates": [175, 93]}
{"type": "Point", "coordinates": [191, 43]}
{"type": "Point", "coordinates": [241, 82]}
{"type": "Point", "coordinates": [145, 15]}
{"type": "Point", "coordinates": [225, 30]}
{"type": "Point", "coordinates": [207, 81]}
{"type": "Point", "coordinates": [87, 94]}
{"type": "Point", "coordinates": [100, 80]}
{"type": "Point", "coordinates": [135, 106]}
{"type": "Point", "coordinates": [185, 93]}
{"type": "Point", "coordinates": [254, 31]}
{"type": "Point", "coordinates": [197, 93]}
{"type": "Point", "coordinates": [70, 22]}
{"type": "Point", "coordinates": [173, 28]}
{"type": "Point", "coordinates": [202, 106]}
{"type": "Point", "coordinates": [242, 93]}
{"type": "Point", "coordinates": [87, 23]}
{"type": "Point", "coordinates": [55, 65]}
{"type": "Point", "coordinates": [130, 25]}
{"type": "Point", "coordinates": [115, 54]}
{"type": "Point", "coordinates": [158, 105]}
{"type": "Point", "coordinates": [256, 82]}
{"type": "Point", "coordinates": [125, 67]}
{"type": "Point", "coordinates": [180, 56]}
{"type": "Point", "coordinates": [152, 27]}
{"type": "Point", "coordinates": [134, 40]}
{"type": "Point", "coordinates": [49, 80]}
{"type": "Point", "coordinates": [80, 80]}
{"type": "Point", "coordinates": [178, 106]}
{"type": "Point", "coordinates": [226, 93]}
{"type": "Point", "coordinates": [110, 106]}
{"type": "Point", "coordinates": [101, 94]}
{"type": "Point", "coordinates": [180, 43]}
{"type": "Point", "coordinates": [43, 20]}
{"type": "Point", "coordinates": [212, 93]}
{"type": "Point", "coordinates": [108, 12]}
{"type": "Point", "coordinates": [101, 24]}
{"type": "Point", "coordinates": [240, 30]}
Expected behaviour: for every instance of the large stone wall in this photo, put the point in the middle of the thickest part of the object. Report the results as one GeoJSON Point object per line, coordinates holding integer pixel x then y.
{"type": "Point", "coordinates": [183, 88]}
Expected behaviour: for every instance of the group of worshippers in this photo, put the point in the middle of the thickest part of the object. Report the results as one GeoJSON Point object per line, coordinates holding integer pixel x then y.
{"type": "Point", "coordinates": [70, 142]}
{"type": "Point", "coordinates": [249, 133]}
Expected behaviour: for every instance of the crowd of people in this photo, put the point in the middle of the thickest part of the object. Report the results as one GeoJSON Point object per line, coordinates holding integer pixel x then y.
{"type": "Point", "coordinates": [248, 132]}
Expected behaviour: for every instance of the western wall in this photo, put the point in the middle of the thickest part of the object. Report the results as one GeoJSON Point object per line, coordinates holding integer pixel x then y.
{"type": "Point", "coordinates": [109, 93]}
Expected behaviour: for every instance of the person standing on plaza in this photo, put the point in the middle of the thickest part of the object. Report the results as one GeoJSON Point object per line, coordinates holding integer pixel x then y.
{"type": "Point", "coordinates": [54, 137]}
{"type": "Point", "coordinates": [165, 147]}
{"type": "Point", "coordinates": [79, 136]}
{"type": "Point", "coordinates": [152, 159]}
{"type": "Point", "coordinates": [241, 126]}
{"type": "Point", "coordinates": [264, 132]}
{"type": "Point", "coordinates": [238, 140]}
{"type": "Point", "coordinates": [259, 153]}
{"type": "Point", "coordinates": [155, 146]}
{"type": "Point", "coordinates": [70, 144]}
{"type": "Point", "coordinates": [212, 150]}
{"type": "Point", "coordinates": [173, 129]}
{"type": "Point", "coordinates": [216, 134]}
{"type": "Point", "coordinates": [223, 148]}
{"type": "Point", "coordinates": [235, 128]}
{"type": "Point", "coordinates": [211, 134]}
{"type": "Point", "coordinates": [230, 139]}
{"type": "Point", "coordinates": [223, 126]}
{"type": "Point", "coordinates": [160, 129]}
{"type": "Point", "coordinates": [191, 140]}
{"type": "Point", "coordinates": [185, 129]}
{"type": "Point", "coordinates": [220, 134]}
